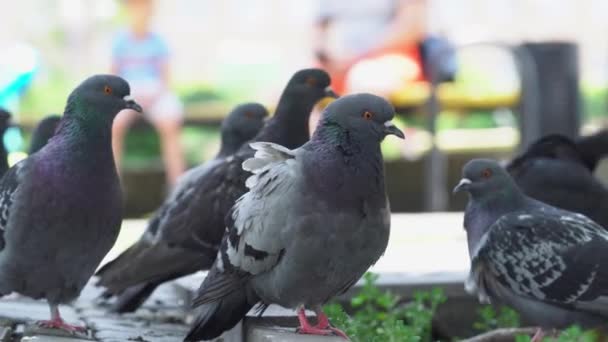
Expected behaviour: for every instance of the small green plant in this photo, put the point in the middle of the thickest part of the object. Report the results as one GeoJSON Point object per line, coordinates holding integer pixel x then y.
{"type": "Point", "coordinates": [505, 317]}
{"type": "Point", "coordinates": [490, 319]}
{"type": "Point", "coordinates": [572, 334]}
{"type": "Point", "coordinates": [379, 316]}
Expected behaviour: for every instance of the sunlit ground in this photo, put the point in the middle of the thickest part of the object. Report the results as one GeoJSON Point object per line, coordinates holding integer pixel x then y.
{"type": "Point", "coordinates": [419, 243]}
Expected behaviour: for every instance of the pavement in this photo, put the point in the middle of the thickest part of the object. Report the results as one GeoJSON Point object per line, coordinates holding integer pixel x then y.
{"type": "Point", "coordinates": [424, 250]}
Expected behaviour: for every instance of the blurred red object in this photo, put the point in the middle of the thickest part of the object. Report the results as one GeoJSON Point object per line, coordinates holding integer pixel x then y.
{"type": "Point", "coordinates": [411, 52]}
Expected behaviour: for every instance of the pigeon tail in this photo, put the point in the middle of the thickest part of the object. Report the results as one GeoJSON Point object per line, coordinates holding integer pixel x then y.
{"type": "Point", "coordinates": [111, 272]}
{"type": "Point", "coordinates": [134, 297]}
{"type": "Point", "coordinates": [220, 315]}
{"type": "Point", "coordinates": [143, 263]}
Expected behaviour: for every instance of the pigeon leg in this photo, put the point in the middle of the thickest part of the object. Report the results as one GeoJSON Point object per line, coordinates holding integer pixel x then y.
{"type": "Point", "coordinates": [323, 323]}
{"type": "Point", "coordinates": [538, 336]}
{"type": "Point", "coordinates": [306, 328]}
{"type": "Point", "coordinates": [56, 322]}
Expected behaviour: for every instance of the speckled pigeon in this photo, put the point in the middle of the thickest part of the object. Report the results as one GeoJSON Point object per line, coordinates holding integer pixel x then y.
{"type": "Point", "coordinates": [314, 220]}
{"type": "Point", "coordinates": [549, 264]}
{"type": "Point", "coordinates": [61, 208]}
{"type": "Point", "coordinates": [151, 252]}
{"type": "Point", "coordinates": [5, 122]}
{"type": "Point", "coordinates": [44, 131]}
{"type": "Point", "coordinates": [559, 171]}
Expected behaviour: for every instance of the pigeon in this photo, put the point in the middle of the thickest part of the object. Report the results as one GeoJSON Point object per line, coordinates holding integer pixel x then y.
{"type": "Point", "coordinates": [559, 171]}
{"type": "Point", "coordinates": [190, 234]}
{"type": "Point", "coordinates": [314, 220]}
{"type": "Point", "coordinates": [593, 148]}
{"type": "Point", "coordinates": [547, 263]}
{"type": "Point", "coordinates": [240, 126]}
{"type": "Point", "coordinates": [43, 132]}
{"type": "Point", "coordinates": [61, 208]}
{"type": "Point", "coordinates": [5, 122]}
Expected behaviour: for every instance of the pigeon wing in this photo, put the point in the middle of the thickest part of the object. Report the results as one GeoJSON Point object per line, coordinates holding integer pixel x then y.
{"type": "Point", "coordinates": [252, 244]}
{"type": "Point", "coordinates": [8, 187]}
{"type": "Point", "coordinates": [551, 258]}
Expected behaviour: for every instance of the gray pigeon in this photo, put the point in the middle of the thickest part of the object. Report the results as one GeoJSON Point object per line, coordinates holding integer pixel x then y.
{"type": "Point", "coordinates": [240, 126]}
{"type": "Point", "coordinates": [559, 171]}
{"type": "Point", "coordinates": [195, 230]}
{"type": "Point", "coordinates": [314, 220]}
{"type": "Point", "coordinates": [61, 208]}
{"type": "Point", "coordinates": [5, 123]}
{"type": "Point", "coordinates": [44, 131]}
{"type": "Point", "coordinates": [549, 264]}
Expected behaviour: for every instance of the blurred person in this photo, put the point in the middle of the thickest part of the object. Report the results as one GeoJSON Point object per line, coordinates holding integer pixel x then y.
{"type": "Point", "coordinates": [349, 31]}
{"type": "Point", "coordinates": [141, 56]}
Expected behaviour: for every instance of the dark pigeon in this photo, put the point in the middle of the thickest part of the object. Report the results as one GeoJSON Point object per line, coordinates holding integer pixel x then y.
{"type": "Point", "coordinates": [192, 233]}
{"type": "Point", "coordinates": [5, 123]}
{"type": "Point", "coordinates": [314, 220]}
{"type": "Point", "coordinates": [240, 126]}
{"type": "Point", "coordinates": [44, 131]}
{"type": "Point", "coordinates": [593, 148]}
{"type": "Point", "coordinates": [559, 171]}
{"type": "Point", "coordinates": [61, 208]}
{"type": "Point", "coordinates": [549, 264]}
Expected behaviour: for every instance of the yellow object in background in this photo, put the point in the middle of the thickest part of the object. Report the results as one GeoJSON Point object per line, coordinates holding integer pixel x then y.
{"type": "Point", "coordinates": [15, 157]}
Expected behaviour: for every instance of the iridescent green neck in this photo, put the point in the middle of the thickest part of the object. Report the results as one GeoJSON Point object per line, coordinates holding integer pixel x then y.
{"type": "Point", "coordinates": [83, 123]}
{"type": "Point", "coordinates": [85, 135]}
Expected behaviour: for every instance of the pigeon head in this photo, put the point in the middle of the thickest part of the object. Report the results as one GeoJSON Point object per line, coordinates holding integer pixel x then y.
{"type": "Point", "coordinates": [310, 85]}
{"type": "Point", "coordinates": [100, 97]}
{"type": "Point", "coordinates": [362, 117]}
{"type": "Point", "coordinates": [481, 177]}
{"type": "Point", "coordinates": [241, 125]}
{"type": "Point", "coordinates": [5, 119]}
{"type": "Point", "coordinates": [43, 132]}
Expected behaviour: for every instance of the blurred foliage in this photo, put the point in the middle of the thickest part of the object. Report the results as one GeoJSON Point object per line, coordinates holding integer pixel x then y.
{"type": "Point", "coordinates": [379, 316]}
{"type": "Point", "coordinates": [595, 101]}
{"type": "Point", "coordinates": [490, 319]}
{"type": "Point", "coordinates": [142, 145]}
{"type": "Point", "coordinates": [45, 97]}
{"type": "Point", "coordinates": [572, 334]}
{"type": "Point", "coordinates": [505, 317]}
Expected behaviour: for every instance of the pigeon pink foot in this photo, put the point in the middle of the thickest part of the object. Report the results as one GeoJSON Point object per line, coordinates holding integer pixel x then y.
{"type": "Point", "coordinates": [322, 328]}
{"type": "Point", "coordinates": [56, 322]}
{"type": "Point", "coordinates": [538, 336]}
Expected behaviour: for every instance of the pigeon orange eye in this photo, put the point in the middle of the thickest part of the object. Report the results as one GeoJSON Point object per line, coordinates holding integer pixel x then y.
{"type": "Point", "coordinates": [311, 81]}
{"type": "Point", "coordinates": [107, 90]}
{"type": "Point", "coordinates": [368, 115]}
{"type": "Point", "coordinates": [487, 173]}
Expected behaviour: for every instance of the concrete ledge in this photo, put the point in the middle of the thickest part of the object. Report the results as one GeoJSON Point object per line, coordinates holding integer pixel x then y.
{"type": "Point", "coordinates": [268, 333]}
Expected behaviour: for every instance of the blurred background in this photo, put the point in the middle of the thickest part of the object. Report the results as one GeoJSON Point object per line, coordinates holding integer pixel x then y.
{"type": "Point", "coordinates": [470, 78]}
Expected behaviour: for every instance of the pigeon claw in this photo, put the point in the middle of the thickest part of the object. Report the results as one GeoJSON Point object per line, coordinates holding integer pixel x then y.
{"type": "Point", "coordinates": [538, 336]}
{"type": "Point", "coordinates": [61, 325]}
{"type": "Point", "coordinates": [329, 331]}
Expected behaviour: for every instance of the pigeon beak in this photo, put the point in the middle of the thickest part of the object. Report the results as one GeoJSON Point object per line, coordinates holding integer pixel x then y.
{"type": "Point", "coordinates": [330, 93]}
{"type": "Point", "coordinates": [390, 128]}
{"type": "Point", "coordinates": [131, 104]}
{"type": "Point", "coordinates": [463, 185]}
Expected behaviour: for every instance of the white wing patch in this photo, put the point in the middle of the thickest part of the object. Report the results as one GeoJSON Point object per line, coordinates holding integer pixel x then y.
{"type": "Point", "coordinates": [266, 154]}
{"type": "Point", "coordinates": [258, 217]}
